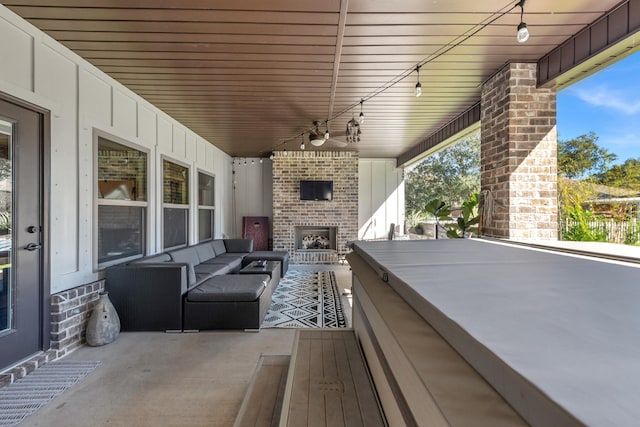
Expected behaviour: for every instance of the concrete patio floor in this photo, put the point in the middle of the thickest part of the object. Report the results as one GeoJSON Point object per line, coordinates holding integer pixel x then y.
{"type": "Point", "coordinates": [159, 379]}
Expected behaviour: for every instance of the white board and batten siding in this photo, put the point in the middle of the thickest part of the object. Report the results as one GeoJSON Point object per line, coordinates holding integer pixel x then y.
{"type": "Point", "coordinates": [381, 198]}
{"type": "Point", "coordinates": [82, 100]}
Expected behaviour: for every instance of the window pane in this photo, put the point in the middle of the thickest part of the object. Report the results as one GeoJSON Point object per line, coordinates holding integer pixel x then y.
{"type": "Point", "coordinates": [121, 232]}
{"type": "Point", "coordinates": [122, 172]}
{"type": "Point", "coordinates": [175, 227]}
{"type": "Point", "coordinates": [205, 190]}
{"type": "Point", "coordinates": [176, 183]}
{"type": "Point", "coordinates": [205, 224]}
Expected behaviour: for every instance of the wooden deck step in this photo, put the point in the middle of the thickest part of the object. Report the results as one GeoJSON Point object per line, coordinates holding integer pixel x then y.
{"type": "Point", "coordinates": [328, 382]}
{"type": "Point", "coordinates": [263, 401]}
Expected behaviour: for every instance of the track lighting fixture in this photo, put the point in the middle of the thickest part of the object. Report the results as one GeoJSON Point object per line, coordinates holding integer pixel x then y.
{"type": "Point", "coordinates": [523, 31]}
{"type": "Point", "coordinates": [361, 116]}
{"type": "Point", "coordinates": [418, 85]}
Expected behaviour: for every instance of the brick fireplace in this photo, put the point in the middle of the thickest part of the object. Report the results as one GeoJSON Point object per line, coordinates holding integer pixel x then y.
{"type": "Point", "coordinates": [315, 231]}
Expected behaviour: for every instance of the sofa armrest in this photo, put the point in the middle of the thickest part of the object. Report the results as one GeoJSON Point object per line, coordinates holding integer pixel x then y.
{"type": "Point", "coordinates": [148, 297]}
{"type": "Point", "coordinates": [239, 245]}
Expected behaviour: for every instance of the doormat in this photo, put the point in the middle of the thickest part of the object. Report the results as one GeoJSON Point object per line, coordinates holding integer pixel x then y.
{"type": "Point", "coordinates": [306, 299]}
{"type": "Point", "coordinates": [25, 396]}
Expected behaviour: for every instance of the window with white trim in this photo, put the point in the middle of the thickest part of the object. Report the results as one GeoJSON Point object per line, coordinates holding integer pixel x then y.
{"type": "Point", "coordinates": [206, 206]}
{"type": "Point", "coordinates": [175, 207]}
{"type": "Point", "coordinates": [121, 202]}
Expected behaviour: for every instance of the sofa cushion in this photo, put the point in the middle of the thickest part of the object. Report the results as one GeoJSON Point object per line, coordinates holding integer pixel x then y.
{"type": "Point", "coordinates": [153, 259]}
{"type": "Point", "coordinates": [239, 245]}
{"type": "Point", "coordinates": [230, 287]}
{"type": "Point", "coordinates": [213, 269]}
{"type": "Point", "coordinates": [188, 256]}
{"type": "Point", "coordinates": [232, 260]}
{"type": "Point", "coordinates": [205, 251]}
{"type": "Point", "coordinates": [218, 247]}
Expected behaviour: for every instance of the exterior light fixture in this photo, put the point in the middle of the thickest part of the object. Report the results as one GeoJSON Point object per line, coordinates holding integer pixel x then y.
{"type": "Point", "coordinates": [271, 156]}
{"type": "Point", "coordinates": [260, 160]}
{"type": "Point", "coordinates": [418, 85]}
{"type": "Point", "coordinates": [361, 116]}
{"type": "Point", "coordinates": [245, 162]}
{"type": "Point", "coordinates": [285, 153]}
{"type": "Point", "coordinates": [302, 142]}
{"type": "Point", "coordinates": [253, 162]}
{"type": "Point", "coordinates": [326, 132]}
{"type": "Point", "coordinates": [523, 32]}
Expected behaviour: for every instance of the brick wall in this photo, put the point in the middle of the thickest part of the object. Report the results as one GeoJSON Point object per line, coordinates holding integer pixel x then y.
{"type": "Point", "coordinates": [289, 211]}
{"type": "Point", "coordinates": [70, 311]}
{"type": "Point", "coordinates": [518, 156]}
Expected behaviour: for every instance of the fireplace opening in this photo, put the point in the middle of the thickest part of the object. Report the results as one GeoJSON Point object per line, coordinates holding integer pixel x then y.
{"type": "Point", "coordinates": [316, 238]}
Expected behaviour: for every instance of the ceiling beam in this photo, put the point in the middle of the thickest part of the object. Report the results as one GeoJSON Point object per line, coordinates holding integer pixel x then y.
{"type": "Point", "coordinates": [342, 22]}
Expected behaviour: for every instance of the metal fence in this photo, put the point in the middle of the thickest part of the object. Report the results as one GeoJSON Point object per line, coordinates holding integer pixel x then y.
{"type": "Point", "coordinates": [625, 232]}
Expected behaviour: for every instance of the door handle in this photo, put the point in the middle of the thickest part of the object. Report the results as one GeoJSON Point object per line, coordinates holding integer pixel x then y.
{"type": "Point", "coordinates": [33, 246]}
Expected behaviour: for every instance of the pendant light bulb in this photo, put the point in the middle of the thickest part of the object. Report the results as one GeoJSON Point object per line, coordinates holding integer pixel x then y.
{"type": "Point", "coordinates": [271, 156]}
{"type": "Point", "coordinates": [361, 116]}
{"type": "Point", "coordinates": [253, 162]}
{"type": "Point", "coordinates": [326, 132]}
{"type": "Point", "coordinates": [523, 32]}
{"type": "Point", "coordinates": [302, 142]}
{"type": "Point", "coordinates": [285, 153]}
{"type": "Point", "coordinates": [418, 85]}
{"type": "Point", "coordinates": [260, 160]}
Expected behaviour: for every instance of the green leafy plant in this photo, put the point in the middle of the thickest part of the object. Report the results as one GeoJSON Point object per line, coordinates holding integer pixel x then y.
{"type": "Point", "coordinates": [466, 223]}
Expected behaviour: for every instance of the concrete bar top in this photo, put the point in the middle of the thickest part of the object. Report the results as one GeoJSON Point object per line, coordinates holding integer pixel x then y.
{"type": "Point", "coordinates": [557, 335]}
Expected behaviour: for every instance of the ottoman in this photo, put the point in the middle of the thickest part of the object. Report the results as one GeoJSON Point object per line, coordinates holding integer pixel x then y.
{"type": "Point", "coordinates": [229, 301]}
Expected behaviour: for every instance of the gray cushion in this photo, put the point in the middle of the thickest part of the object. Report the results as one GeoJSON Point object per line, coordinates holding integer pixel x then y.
{"type": "Point", "coordinates": [218, 247]}
{"type": "Point", "coordinates": [230, 287]}
{"type": "Point", "coordinates": [153, 259]}
{"type": "Point", "coordinates": [239, 245]}
{"type": "Point", "coordinates": [212, 269]}
{"type": "Point", "coordinates": [205, 251]}
{"type": "Point", "coordinates": [189, 256]}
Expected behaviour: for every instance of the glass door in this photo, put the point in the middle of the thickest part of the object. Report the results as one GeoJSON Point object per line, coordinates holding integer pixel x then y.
{"type": "Point", "coordinates": [6, 189]}
{"type": "Point", "coordinates": [21, 217]}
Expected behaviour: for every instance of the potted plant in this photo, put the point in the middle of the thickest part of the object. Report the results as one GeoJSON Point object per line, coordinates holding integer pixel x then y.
{"type": "Point", "coordinates": [464, 225]}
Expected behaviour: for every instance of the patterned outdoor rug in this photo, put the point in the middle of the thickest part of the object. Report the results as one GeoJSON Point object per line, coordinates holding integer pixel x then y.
{"type": "Point", "coordinates": [306, 299]}
{"type": "Point", "coordinates": [28, 394]}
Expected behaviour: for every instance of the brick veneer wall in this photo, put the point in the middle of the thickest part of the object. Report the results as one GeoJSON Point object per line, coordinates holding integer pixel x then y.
{"type": "Point", "coordinates": [70, 311]}
{"type": "Point", "coordinates": [518, 156]}
{"type": "Point", "coordinates": [289, 211]}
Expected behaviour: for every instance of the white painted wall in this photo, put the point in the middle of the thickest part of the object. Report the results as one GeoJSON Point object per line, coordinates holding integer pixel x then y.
{"type": "Point", "coordinates": [38, 70]}
{"type": "Point", "coordinates": [381, 198]}
{"type": "Point", "coordinates": [253, 191]}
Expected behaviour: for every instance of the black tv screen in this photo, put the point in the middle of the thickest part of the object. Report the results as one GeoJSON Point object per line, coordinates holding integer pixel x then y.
{"type": "Point", "coordinates": [316, 190]}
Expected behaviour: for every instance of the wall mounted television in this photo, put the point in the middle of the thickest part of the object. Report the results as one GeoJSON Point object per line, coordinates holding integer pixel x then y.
{"type": "Point", "coordinates": [316, 190]}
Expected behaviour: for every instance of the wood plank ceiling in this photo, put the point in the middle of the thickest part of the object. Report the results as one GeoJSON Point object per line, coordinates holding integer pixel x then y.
{"type": "Point", "coordinates": [249, 74]}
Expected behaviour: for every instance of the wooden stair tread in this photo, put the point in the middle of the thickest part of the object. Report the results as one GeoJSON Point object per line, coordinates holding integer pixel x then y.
{"type": "Point", "coordinates": [263, 401]}
{"type": "Point", "coordinates": [328, 382]}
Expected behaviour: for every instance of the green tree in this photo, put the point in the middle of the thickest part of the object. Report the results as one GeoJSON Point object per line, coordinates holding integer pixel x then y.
{"type": "Point", "coordinates": [581, 157]}
{"type": "Point", "coordinates": [451, 175]}
{"type": "Point", "coordinates": [626, 175]}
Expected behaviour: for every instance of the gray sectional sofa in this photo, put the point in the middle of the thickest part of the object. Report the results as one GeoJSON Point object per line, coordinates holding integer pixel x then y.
{"type": "Point", "coordinates": [195, 288]}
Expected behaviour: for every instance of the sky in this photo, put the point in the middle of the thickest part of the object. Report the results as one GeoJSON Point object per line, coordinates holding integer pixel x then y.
{"type": "Point", "coordinates": [607, 103]}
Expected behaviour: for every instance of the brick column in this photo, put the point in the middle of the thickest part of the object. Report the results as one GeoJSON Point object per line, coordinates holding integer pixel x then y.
{"type": "Point", "coordinates": [518, 157]}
